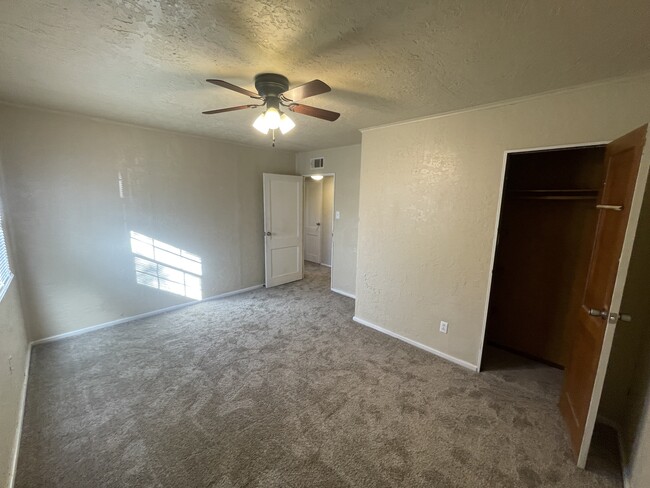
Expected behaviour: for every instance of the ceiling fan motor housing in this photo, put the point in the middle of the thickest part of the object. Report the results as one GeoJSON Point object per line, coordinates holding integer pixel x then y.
{"type": "Point", "coordinates": [271, 84]}
{"type": "Point", "coordinates": [273, 90]}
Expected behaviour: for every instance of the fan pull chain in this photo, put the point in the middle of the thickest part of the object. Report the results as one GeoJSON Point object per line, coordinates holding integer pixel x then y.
{"type": "Point", "coordinates": [273, 132]}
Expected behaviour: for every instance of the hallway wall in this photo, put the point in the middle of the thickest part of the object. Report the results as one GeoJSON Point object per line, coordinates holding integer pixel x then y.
{"type": "Point", "coordinates": [327, 221]}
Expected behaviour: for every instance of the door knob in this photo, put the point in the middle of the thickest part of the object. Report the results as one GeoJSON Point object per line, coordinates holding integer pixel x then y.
{"type": "Point", "coordinates": [317, 223]}
{"type": "Point", "coordinates": [613, 317]}
{"type": "Point", "coordinates": [594, 312]}
{"type": "Point", "coordinates": [268, 234]}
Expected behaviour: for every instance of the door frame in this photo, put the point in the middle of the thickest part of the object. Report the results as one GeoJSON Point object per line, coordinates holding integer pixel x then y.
{"type": "Point", "coordinates": [333, 175]}
{"type": "Point", "coordinates": [504, 165]}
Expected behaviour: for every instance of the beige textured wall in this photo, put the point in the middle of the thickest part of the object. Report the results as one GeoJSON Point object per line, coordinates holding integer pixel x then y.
{"type": "Point", "coordinates": [327, 221]}
{"type": "Point", "coordinates": [344, 162]}
{"type": "Point", "coordinates": [201, 195]}
{"type": "Point", "coordinates": [13, 352]}
{"type": "Point", "coordinates": [14, 344]}
{"type": "Point", "coordinates": [429, 198]}
{"type": "Point", "coordinates": [636, 432]}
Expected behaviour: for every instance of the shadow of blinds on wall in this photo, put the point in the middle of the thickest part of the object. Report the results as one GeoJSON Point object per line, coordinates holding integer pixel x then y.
{"type": "Point", "coordinates": [166, 267]}
{"type": "Point", "coordinates": [5, 270]}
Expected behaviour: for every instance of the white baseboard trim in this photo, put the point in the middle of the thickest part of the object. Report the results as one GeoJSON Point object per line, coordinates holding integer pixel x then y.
{"type": "Point", "coordinates": [344, 293]}
{"type": "Point", "coordinates": [326, 265]}
{"type": "Point", "coordinates": [229, 294]}
{"type": "Point", "coordinates": [625, 472]}
{"type": "Point", "coordinates": [21, 416]}
{"type": "Point", "coordinates": [124, 320]}
{"type": "Point", "coordinates": [448, 357]}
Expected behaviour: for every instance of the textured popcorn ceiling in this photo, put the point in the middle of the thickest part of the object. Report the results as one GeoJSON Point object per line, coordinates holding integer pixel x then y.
{"type": "Point", "coordinates": [145, 61]}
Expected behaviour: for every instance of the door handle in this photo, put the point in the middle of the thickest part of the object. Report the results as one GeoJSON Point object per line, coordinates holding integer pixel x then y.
{"type": "Point", "coordinates": [594, 312]}
{"type": "Point", "coordinates": [317, 223]}
{"type": "Point", "coordinates": [613, 317]}
{"type": "Point", "coordinates": [267, 234]}
{"type": "Point", "coordinates": [617, 208]}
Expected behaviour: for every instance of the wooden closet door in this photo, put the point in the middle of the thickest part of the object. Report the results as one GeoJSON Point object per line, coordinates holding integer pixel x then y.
{"type": "Point", "coordinates": [598, 315]}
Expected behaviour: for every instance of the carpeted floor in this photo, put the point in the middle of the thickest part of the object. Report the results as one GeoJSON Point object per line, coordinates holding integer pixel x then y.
{"type": "Point", "coordinates": [279, 388]}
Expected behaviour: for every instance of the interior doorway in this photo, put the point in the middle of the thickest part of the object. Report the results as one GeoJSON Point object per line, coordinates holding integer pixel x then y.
{"type": "Point", "coordinates": [319, 219]}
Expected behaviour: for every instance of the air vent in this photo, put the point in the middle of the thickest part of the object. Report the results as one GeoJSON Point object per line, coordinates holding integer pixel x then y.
{"type": "Point", "coordinates": [317, 163]}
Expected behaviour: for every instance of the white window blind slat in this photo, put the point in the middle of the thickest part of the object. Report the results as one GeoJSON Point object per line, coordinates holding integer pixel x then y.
{"type": "Point", "coordinates": [5, 270]}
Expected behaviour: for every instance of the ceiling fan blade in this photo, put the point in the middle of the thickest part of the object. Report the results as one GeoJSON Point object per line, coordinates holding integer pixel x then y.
{"type": "Point", "coordinates": [229, 109]}
{"type": "Point", "coordinates": [236, 88]}
{"type": "Point", "coordinates": [315, 87]}
{"type": "Point", "coordinates": [314, 112]}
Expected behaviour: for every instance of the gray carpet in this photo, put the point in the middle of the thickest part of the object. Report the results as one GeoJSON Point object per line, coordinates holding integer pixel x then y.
{"type": "Point", "coordinates": [279, 388]}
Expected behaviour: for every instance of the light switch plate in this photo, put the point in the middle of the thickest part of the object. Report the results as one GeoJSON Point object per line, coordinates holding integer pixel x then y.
{"type": "Point", "coordinates": [338, 215]}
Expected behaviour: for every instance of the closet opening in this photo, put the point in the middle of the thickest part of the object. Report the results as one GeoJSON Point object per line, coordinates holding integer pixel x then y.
{"type": "Point", "coordinates": [546, 232]}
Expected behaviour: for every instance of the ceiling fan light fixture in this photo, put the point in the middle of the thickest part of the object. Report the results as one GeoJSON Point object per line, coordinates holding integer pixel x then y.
{"type": "Point", "coordinates": [272, 118]}
{"type": "Point", "coordinates": [260, 124]}
{"type": "Point", "coordinates": [272, 92]}
{"type": "Point", "coordinates": [286, 124]}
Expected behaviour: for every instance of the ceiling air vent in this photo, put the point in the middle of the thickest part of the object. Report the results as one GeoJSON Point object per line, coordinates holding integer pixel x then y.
{"type": "Point", "coordinates": [317, 163]}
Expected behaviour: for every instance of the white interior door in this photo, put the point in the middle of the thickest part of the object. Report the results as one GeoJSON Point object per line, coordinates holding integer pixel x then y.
{"type": "Point", "coordinates": [283, 201]}
{"type": "Point", "coordinates": [313, 216]}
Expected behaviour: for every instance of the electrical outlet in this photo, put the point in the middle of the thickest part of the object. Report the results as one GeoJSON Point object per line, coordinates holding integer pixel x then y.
{"type": "Point", "coordinates": [443, 326]}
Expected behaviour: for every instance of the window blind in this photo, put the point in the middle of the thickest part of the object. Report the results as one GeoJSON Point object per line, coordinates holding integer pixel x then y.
{"type": "Point", "coordinates": [5, 270]}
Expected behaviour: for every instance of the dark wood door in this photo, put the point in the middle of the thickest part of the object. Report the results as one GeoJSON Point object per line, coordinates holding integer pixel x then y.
{"type": "Point", "coordinates": [581, 392]}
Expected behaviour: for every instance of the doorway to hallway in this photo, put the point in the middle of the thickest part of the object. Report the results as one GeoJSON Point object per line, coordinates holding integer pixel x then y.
{"type": "Point", "coordinates": [319, 219]}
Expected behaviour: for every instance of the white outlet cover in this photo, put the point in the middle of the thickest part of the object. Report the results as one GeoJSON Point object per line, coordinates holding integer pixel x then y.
{"type": "Point", "coordinates": [338, 215]}
{"type": "Point", "coordinates": [443, 326]}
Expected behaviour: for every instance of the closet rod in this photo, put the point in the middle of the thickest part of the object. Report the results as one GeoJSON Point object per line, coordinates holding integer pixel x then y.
{"type": "Point", "coordinates": [555, 197]}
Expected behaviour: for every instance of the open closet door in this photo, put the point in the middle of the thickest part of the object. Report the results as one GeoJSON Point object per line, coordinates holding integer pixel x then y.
{"type": "Point", "coordinates": [619, 206]}
{"type": "Point", "coordinates": [282, 228]}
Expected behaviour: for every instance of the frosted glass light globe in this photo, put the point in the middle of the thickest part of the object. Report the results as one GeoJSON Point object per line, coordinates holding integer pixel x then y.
{"type": "Point", "coordinates": [272, 118]}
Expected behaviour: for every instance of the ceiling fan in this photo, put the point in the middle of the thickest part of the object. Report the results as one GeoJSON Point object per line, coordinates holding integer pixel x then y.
{"type": "Point", "coordinates": [273, 92]}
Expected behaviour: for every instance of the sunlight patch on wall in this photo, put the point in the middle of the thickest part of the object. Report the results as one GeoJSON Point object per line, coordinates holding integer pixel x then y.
{"type": "Point", "coordinates": [166, 267]}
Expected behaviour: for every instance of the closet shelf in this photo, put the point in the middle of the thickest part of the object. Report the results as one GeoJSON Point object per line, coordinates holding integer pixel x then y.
{"type": "Point", "coordinates": [557, 197]}
{"type": "Point", "coordinates": [557, 194]}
